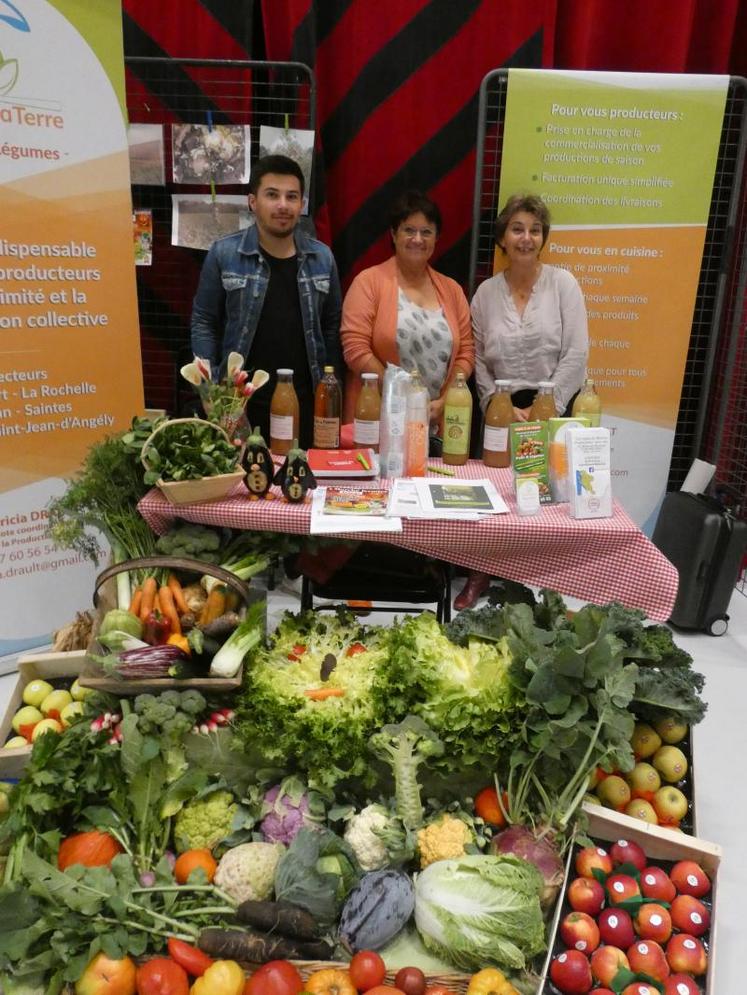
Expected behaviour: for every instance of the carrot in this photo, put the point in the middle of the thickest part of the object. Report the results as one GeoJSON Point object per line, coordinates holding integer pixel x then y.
{"type": "Point", "coordinates": [176, 590]}
{"type": "Point", "coordinates": [148, 600]}
{"type": "Point", "coordinates": [232, 601]}
{"type": "Point", "coordinates": [168, 608]}
{"type": "Point", "coordinates": [321, 694]}
{"type": "Point", "coordinates": [214, 606]}
{"type": "Point", "coordinates": [137, 597]}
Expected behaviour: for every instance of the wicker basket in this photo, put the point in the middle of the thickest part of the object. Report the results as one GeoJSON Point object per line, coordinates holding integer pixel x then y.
{"type": "Point", "coordinates": [179, 492]}
{"type": "Point", "coordinates": [104, 598]}
{"type": "Point", "coordinates": [456, 983]}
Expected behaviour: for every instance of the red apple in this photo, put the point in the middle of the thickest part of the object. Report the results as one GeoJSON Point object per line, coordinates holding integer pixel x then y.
{"type": "Point", "coordinates": [570, 972]}
{"type": "Point", "coordinates": [616, 928]}
{"type": "Point", "coordinates": [687, 954]}
{"type": "Point", "coordinates": [606, 962]}
{"type": "Point", "coordinates": [670, 805]}
{"type": "Point", "coordinates": [647, 957]}
{"type": "Point", "coordinates": [621, 887]}
{"type": "Point", "coordinates": [579, 932]}
{"type": "Point", "coordinates": [628, 852]}
{"type": "Point", "coordinates": [655, 884]}
{"type": "Point", "coordinates": [640, 988]}
{"type": "Point", "coordinates": [689, 915]}
{"type": "Point", "coordinates": [601, 991]}
{"type": "Point", "coordinates": [104, 976]}
{"type": "Point", "coordinates": [653, 922]}
{"type": "Point", "coordinates": [680, 984]}
{"type": "Point", "coordinates": [586, 895]}
{"type": "Point", "coordinates": [593, 858]}
{"type": "Point", "coordinates": [689, 878]}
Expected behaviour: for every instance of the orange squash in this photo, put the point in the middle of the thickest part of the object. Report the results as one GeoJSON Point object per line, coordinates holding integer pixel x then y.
{"type": "Point", "coordinates": [92, 849]}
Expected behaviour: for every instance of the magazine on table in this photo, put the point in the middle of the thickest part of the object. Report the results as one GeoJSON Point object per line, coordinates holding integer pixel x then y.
{"type": "Point", "coordinates": [351, 509]}
{"type": "Point", "coordinates": [459, 498]}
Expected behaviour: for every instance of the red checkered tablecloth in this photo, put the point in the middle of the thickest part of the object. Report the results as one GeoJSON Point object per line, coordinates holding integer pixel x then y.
{"type": "Point", "coordinates": [598, 560]}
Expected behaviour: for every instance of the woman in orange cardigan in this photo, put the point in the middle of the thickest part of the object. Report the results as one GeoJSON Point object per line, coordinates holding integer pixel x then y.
{"type": "Point", "coordinates": [406, 313]}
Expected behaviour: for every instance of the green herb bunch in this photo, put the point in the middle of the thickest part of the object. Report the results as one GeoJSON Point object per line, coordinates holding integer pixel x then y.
{"type": "Point", "coordinates": [188, 450]}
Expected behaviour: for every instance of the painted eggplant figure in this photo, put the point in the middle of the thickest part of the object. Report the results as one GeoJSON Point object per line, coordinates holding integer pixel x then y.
{"type": "Point", "coordinates": [257, 465]}
{"type": "Point", "coordinates": [295, 476]}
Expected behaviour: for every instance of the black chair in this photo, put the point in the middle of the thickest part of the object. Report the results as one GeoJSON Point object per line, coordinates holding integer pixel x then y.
{"type": "Point", "coordinates": [377, 572]}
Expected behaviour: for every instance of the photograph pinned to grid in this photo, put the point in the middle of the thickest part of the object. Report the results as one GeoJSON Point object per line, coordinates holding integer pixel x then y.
{"type": "Point", "coordinates": [198, 219]}
{"type": "Point", "coordinates": [218, 154]}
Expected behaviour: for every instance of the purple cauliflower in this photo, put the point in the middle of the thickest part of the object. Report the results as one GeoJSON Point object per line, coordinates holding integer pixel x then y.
{"type": "Point", "coordinates": [286, 809]}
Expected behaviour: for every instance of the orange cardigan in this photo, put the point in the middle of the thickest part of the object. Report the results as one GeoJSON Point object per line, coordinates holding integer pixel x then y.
{"type": "Point", "coordinates": [369, 325]}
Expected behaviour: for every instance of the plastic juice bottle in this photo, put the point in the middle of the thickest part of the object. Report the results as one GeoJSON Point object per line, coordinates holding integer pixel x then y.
{"type": "Point", "coordinates": [284, 415]}
{"type": "Point", "coordinates": [367, 417]}
{"type": "Point", "coordinates": [588, 403]}
{"type": "Point", "coordinates": [457, 421]}
{"type": "Point", "coordinates": [496, 448]}
{"type": "Point", "coordinates": [416, 426]}
{"type": "Point", "coordinates": [327, 411]}
{"type": "Point", "coordinates": [544, 403]}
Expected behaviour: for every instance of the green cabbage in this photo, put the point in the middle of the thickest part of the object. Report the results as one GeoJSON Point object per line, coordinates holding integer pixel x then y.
{"type": "Point", "coordinates": [481, 910]}
{"type": "Point", "coordinates": [119, 620]}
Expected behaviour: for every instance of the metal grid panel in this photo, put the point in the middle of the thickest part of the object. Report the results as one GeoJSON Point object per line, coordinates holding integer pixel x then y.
{"type": "Point", "coordinates": [705, 360]}
{"type": "Point", "coordinates": [171, 91]}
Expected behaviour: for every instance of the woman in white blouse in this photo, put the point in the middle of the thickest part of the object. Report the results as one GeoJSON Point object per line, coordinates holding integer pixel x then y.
{"type": "Point", "coordinates": [529, 324]}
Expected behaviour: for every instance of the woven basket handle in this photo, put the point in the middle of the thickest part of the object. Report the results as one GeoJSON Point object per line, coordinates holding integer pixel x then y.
{"type": "Point", "coordinates": [174, 563]}
{"type": "Point", "coordinates": [177, 421]}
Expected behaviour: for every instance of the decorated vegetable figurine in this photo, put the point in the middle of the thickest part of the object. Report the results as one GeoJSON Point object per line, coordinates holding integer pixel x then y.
{"type": "Point", "coordinates": [295, 476]}
{"type": "Point", "coordinates": [258, 467]}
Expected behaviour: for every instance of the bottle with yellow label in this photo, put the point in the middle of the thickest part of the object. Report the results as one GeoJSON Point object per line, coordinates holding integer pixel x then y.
{"type": "Point", "coordinates": [457, 421]}
{"type": "Point", "coordinates": [588, 403]}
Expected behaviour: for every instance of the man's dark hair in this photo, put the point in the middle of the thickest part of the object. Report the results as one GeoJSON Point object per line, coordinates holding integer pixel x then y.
{"type": "Point", "coordinates": [529, 203]}
{"type": "Point", "coordinates": [282, 165]}
{"type": "Point", "coordinates": [414, 202]}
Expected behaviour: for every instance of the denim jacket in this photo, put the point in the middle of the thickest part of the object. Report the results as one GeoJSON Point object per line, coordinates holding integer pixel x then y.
{"type": "Point", "coordinates": [231, 293]}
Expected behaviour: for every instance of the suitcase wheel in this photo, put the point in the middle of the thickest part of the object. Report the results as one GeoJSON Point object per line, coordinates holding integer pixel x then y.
{"type": "Point", "coordinates": [718, 625]}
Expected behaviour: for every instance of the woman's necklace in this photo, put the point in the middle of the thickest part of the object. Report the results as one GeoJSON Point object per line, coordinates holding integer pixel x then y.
{"type": "Point", "coordinates": [522, 292]}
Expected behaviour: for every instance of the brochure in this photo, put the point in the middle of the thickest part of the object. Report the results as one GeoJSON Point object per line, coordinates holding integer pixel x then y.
{"type": "Point", "coordinates": [343, 462]}
{"type": "Point", "coordinates": [458, 498]}
{"type": "Point", "coordinates": [351, 509]}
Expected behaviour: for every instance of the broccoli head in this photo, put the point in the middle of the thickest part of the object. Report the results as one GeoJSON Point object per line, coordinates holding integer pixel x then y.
{"type": "Point", "coordinates": [405, 746]}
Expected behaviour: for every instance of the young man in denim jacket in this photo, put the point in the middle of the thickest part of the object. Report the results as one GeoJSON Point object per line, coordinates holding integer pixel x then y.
{"type": "Point", "coordinates": [271, 293]}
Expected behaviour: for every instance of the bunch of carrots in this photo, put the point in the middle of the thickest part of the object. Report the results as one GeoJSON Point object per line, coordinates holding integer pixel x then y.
{"type": "Point", "coordinates": [169, 601]}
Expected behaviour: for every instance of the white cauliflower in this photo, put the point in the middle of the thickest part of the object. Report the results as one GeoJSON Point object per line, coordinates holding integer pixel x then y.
{"type": "Point", "coordinates": [360, 834]}
{"type": "Point", "coordinates": [247, 872]}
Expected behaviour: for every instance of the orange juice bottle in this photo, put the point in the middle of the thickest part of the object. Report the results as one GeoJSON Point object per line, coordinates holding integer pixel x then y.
{"type": "Point", "coordinates": [416, 426]}
{"type": "Point", "coordinates": [327, 411]}
{"type": "Point", "coordinates": [284, 414]}
{"type": "Point", "coordinates": [496, 447]}
{"type": "Point", "coordinates": [544, 402]}
{"type": "Point", "coordinates": [367, 419]}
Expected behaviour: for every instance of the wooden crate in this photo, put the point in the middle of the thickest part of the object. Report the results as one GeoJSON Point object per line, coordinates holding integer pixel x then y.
{"type": "Point", "coordinates": [49, 666]}
{"type": "Point", "coordinates": [659, 844]}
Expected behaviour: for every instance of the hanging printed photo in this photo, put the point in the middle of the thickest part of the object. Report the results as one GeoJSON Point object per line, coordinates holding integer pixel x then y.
{"type": "Point", "coordinates": [145, 143]}
{"type": "Point", "coordinates": [297, 144]}
{"type": "Point", "coordinates": [198, 219]}
{"type": "Point", "coordinates": [142, 232]}
{"type": "Point", "coordinates": [216, 154]}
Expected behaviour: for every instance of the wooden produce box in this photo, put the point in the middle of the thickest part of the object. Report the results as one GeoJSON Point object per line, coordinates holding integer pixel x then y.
{"type": "Point", "coordinates": [662, 846]}
{"type": "Point", "coordinates": [48, 666]}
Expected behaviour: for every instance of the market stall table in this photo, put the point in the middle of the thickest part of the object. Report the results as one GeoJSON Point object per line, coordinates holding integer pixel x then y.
{"type": "Point", "coordinates": [597, 560]}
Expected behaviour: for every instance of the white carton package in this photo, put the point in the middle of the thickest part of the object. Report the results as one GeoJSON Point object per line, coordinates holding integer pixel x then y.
{"type": "Point", "coordinates": [589, 470]}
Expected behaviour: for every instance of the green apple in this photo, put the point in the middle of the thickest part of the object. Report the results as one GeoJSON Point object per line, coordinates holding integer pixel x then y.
{"type": "Point", "coordinates": [71, 713]}
{"type": "Point", "coordinates": [670, 804]}
{"type": "Point", "coordinates": [15, 743]}
{"type": "Point", "coordinates": [54, 703]}
{"type": "Point", "coordinates": [644, 780]}
{"type": "Point", "coordinates": [645, 741]}
{"type": "Point", "coordinates": [36, 691]}
{"type": "Point", "coordinates": [613, 792]}
{"type": "Point", "coordinates": [639, 808]}
{"type": "Point", "coordinates": [46, 725]}
{"type": "Point", "coordinates": [78, 692]}
{"type": "Point", "coordinates": [670, 729]}
{"type": "Point", "coordinates": [25, 719]}
{"type": "Point", "coordinates": [671, 763]}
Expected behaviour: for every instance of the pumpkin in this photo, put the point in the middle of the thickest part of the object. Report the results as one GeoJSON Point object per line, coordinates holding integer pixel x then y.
{"type": "Point", "coordinates": [93, 849]}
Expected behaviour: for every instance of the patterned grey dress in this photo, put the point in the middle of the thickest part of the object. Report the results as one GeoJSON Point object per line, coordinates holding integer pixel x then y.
{"type": "Point", "coordinates": [424, 341]}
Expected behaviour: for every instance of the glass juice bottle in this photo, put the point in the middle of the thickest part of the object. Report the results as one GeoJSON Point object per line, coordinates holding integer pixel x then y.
{"type": "Point", "coordinates": [327, 411]}
{"type": "Point", "coordinates": [284, 414]}
{"type": "Point", "coordinates": [416, 426]}
{"type": "Point", "coordinates": [544, 403]}
{"type": "Point", "coordinates": [588, 403]}
{"type": "Point", "coordinates": [367, 417]}
{"type": "Point", "coordinates": [496, 448]}
{"type": "Point", "coordinates": [457, 421]}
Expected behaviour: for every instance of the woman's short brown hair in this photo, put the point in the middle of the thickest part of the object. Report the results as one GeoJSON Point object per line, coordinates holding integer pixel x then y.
{"type": "Point", "coordinates": [522, 202]}
{"type": "Point", "coordinates": [414, 202]}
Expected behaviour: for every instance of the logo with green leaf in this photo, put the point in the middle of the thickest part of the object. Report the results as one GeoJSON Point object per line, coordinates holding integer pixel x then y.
{"type": "Point", "coordinates": [8, 74]}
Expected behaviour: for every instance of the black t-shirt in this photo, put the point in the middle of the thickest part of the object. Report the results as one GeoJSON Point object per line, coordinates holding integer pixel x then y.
{"type": "Point", "coordinates": [279, 342]}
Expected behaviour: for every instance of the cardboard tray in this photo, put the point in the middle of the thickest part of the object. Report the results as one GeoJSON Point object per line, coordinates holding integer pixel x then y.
{"type": "Point", "coordinates": [49, 666]}
{"type": "Point", "coordinates": [660, 845]}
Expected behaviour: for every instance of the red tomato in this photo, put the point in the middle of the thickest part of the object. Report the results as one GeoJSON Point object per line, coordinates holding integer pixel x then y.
{"type": "Point", "coordinates": [367, 970]}
{"type": "Point", "coordinates": [276, 977]}
{"type": "Point", "coordinates": [438, 990]}
{"type": "Point", "coordinates": [384, 990]}
{"type": "Point", "coordinates": [161, 976]}
{"type": "Point", "coordinates": [487, 807]}
{"type": "Point", "coordinates": [410, 980]}
{"type": "Point", "coordinates": [355, 648]}
{"type": "Point", "coordinates": [194, 961]}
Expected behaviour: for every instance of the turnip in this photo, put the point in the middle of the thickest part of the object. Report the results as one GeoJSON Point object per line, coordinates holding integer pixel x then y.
{"type": "Point", "coordinates": [538, 849]}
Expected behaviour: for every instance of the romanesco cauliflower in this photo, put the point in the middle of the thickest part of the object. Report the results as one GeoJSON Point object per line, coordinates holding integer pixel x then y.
{"type": "Point", "coordinates": [204, 822]}
{"type": "Point", "coordinates": [247, 872]}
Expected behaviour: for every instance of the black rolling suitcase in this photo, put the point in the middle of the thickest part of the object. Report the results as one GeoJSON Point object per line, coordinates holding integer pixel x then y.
{"type": "Point", "coordinates": [706, 543]}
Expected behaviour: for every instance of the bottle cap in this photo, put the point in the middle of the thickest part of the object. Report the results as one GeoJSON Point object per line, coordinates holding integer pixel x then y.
{"type": "Point", "coordinates": [548, 384]}
{"type": "Point", "coordinates": [329, 369]}
{"type": "Point", "coordinates": [503, 384]}
{"type": "Point", "coordinates": [284, 373]}
{"type": "Point", "coordinates": [369, 376]}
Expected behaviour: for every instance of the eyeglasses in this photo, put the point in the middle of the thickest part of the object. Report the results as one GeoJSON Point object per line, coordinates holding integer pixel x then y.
{"type": "Point", "coordinates": [425, 233]}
